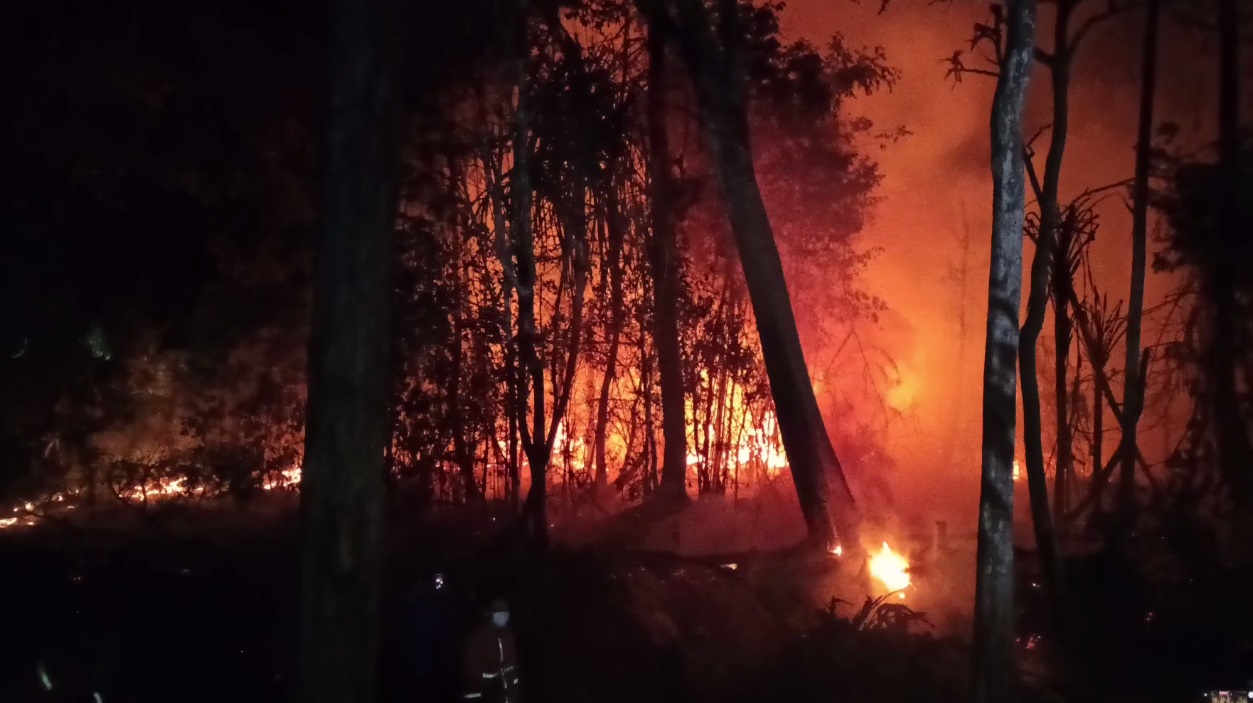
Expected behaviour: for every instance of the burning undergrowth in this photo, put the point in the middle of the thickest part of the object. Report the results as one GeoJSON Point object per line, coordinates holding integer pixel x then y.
{"type": "Point", "coordinates": [712, 630]}
{"type": "Point", "coordinates": [149, 494]}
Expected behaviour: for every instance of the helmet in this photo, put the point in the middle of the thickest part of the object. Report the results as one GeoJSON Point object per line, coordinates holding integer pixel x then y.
{"type": "Point", "coordinates": [499, 612]}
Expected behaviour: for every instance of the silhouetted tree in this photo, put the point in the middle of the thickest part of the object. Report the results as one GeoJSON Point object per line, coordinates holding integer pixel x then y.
{"type": "Point", "coordinates": [346, 434]}
{"type": "Point", "coordinates": [1133, 383]}
{"type": "Point", "coordinates": [664, 257]}
{"type": "Point", "coordinates": [712, 49]}
{"type": "Point", "coordinates": [1235, 451]}
{"type": "Point", "coordinates": [1058, 60]}
{"type": "Point", "coordinates": [995, 677]}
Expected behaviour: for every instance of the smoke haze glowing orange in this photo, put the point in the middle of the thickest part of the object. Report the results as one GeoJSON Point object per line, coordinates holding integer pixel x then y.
{"type": "Point", "coordinates": [933, 223]}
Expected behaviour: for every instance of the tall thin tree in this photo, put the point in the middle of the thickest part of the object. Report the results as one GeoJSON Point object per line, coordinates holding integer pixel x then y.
{"type": "Point", "coordinates": [1062, 277]}
{"type": "Point", "coordinates": [994, 674]}
{"type": "Point", "coordinates": [1059, 65]}
{"type": "Point", "coordinates": [1058, 60]}
{"type": "Point", "coordinates": [615, 224]}
{"type": "Point", "coordinates": [664, 258]}
{"type": "Point", "coordinates": [1133, 386]}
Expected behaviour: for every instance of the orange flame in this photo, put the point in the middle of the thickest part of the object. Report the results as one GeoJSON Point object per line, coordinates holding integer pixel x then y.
{"type": "Point", "coordinates": [28, 513]}
{"type": "Point", "coordinates": [891, 569]}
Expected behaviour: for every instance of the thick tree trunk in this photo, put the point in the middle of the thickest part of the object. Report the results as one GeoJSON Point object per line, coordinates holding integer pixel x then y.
{"type": "Point", "coordinates": [1133, 400]}
{"type": "Point", "coordinates": [995, 678]}
{"type": "Point", "coordinates": [664, 258]}
{"type": "Point", "coordinates": [811, 457]}
{"type": "Point", "coordinates": [342, 486]}
{"type": "Point", "coordinates": [721, 91]}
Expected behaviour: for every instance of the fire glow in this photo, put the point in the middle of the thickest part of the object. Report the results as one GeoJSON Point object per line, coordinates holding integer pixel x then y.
{"type": "Point", "coordinates": [27, 514]}
{"type": "Point", "coordinates": [738, 442]}
{"type": "Point", "coordinates": [891, 569]}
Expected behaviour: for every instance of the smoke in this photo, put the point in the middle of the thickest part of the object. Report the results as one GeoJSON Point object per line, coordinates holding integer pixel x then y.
{"type": "Point", "coordinates": [937, 191]}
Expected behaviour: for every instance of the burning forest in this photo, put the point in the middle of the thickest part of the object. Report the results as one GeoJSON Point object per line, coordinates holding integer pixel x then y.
{"type": "Point", "coordinates": [622, 350]}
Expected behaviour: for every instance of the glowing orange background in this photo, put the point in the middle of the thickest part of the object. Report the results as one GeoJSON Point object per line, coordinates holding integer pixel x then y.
{"type": "Point", "coordinates": [937, 181]}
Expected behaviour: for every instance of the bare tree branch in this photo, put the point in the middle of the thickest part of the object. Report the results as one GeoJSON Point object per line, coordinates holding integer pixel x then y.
{"type": "Point", "coordinates": [1113, 8]}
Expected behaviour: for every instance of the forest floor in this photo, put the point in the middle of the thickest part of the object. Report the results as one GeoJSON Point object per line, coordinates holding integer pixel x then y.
{"type": "Point", "coordinates": [180, 615]}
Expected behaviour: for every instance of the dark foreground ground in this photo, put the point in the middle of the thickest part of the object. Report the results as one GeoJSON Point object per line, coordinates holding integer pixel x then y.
{"type": "Point", "coordinates": [159, 619]}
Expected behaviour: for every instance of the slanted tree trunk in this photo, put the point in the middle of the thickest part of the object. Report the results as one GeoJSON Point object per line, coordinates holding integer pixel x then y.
{"type": "Point", "coordinates": [721, 91]}
{"type": "Point", "coordinates": [1133, 399]}
{"type": "Point", "coordinates": [342, 485]}
{"type": "Point", "coordinates": [995, 677]}
{"type": "Point", "coordinates": [664, 259]}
